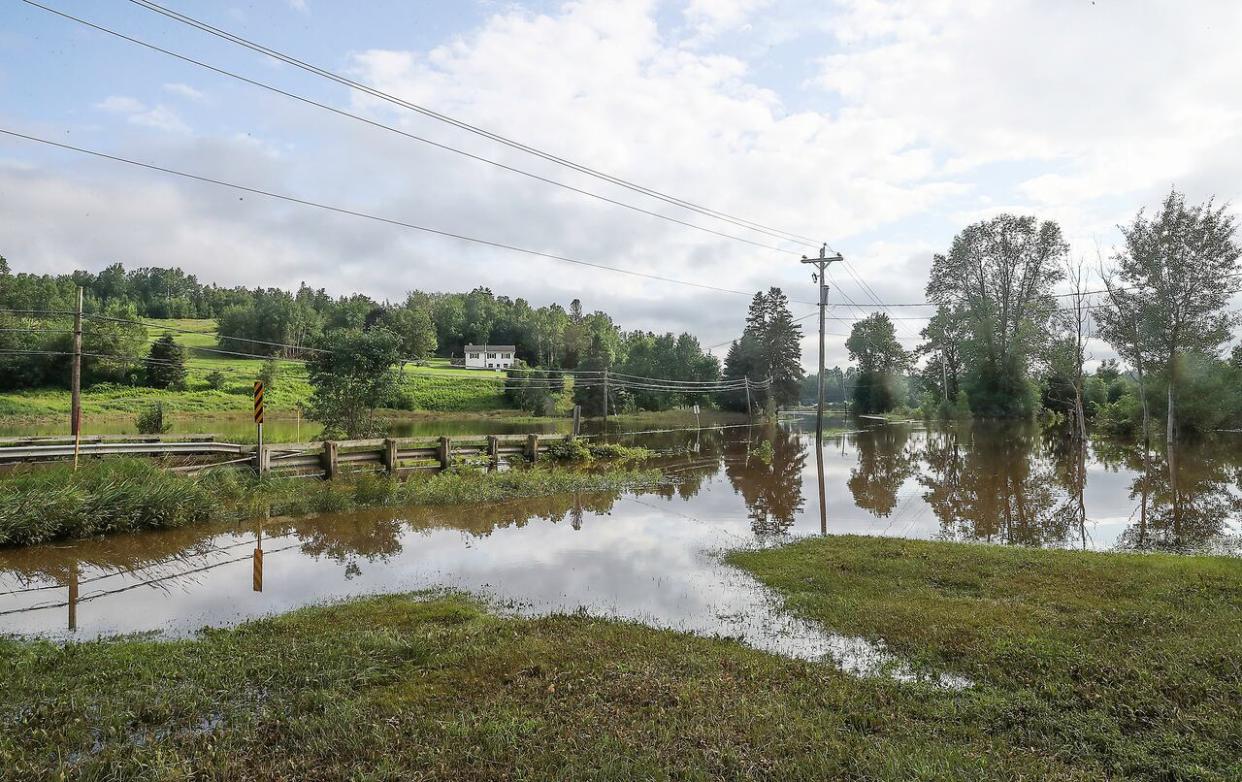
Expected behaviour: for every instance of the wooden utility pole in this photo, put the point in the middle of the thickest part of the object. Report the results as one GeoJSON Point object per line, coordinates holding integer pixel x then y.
{"type": "Point", "coordinates": [822, 263]}
{"type": "Point", "coordinates": [75, 382]}
{"type": "Point", "coordinates": [749, 412]}
{"type": "Point", "coordinates": [605, 401]}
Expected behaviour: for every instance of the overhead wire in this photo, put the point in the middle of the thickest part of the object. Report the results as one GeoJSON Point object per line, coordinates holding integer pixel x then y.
{"type": "Point", "coordinates": [399, 131]}
{"type": "Point", "coordinates": [369, 216]}
{"type": "Point", "coordinates": [490, 135]}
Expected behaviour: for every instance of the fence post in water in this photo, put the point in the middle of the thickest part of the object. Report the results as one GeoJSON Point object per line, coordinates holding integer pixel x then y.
{"type": "Point", "coordinates": [577, 419]}
{"type": "Point", "coordinates": [390, 455]}
{"type": "Point", "coordinates": [263, 457]}
{"type": "Point", "coordinates": [330, 464]}
{"type": "Point", "coordinates": [493, 450]}
{"type": "Point", "coordinates": [532, 447]}
{"type": "Point", "coordinates": [446, 453]}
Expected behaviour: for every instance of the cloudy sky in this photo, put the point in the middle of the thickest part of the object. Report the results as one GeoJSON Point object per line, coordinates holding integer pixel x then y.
{"type": "Point", "coordinates": [879, 127]}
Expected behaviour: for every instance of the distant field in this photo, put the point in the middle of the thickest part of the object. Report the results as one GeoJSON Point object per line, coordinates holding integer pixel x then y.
{"type": "Point", "coordinates": [435, 388]}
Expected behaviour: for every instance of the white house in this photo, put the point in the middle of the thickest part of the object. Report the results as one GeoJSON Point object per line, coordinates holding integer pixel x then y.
{"type": "Point", "coordinates": [489, 356]}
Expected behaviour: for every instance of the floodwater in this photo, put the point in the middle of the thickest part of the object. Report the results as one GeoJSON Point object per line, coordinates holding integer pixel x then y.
{"type": "Point", "coordinates": [652, 555]}
{"type": "Point", "coordinates": [241, 429]}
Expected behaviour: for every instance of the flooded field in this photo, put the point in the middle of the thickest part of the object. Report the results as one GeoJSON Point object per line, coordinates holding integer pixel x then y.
{"type": "Point", "coordinates": [240, 428]}
{"type": "Point", "coordinates": [652, 555]}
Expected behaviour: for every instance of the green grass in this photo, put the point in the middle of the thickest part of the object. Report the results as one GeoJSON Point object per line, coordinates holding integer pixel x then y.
{"type": "Point", "coordinates": [1086, 667]}
{"type": "Point", "coordinates": [1116, 664]}
{"type": "Point", "coordinates": [436, 387]}
{"type": "Point", "coordinates": [130, 495]}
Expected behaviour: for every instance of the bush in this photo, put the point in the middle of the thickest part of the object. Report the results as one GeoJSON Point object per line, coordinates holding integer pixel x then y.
{"type": "Point", "coordinates": [577, 450]}
{"type": "Point", "coordinates": [216, 380]}
{"type": "Point", "coordinates": [268, 374]}
{"type": "Point", "coordinates": [151, 420]}
{"type": "Point", "coordinates": [1122, 418]}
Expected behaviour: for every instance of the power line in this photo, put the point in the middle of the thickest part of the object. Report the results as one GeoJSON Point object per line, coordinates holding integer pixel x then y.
{"type": "Point", "coordinates": [412, 136]}
{"type": "Point", "coordinates": [492, 136]}
{"type": "Point", "coordinates": [369, 216]}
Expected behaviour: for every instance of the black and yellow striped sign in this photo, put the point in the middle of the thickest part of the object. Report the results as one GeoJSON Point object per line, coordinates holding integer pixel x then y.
{"type": "Point", "coordinates": [258, 401]}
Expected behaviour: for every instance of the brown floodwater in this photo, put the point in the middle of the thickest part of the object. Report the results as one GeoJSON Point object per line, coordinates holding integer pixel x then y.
{"type": "Point", "coordinates": [652, 555]}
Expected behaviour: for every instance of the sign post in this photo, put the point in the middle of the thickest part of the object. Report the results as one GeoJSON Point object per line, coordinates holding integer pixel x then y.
{"type": "Point", "coordinates": [258, 421]}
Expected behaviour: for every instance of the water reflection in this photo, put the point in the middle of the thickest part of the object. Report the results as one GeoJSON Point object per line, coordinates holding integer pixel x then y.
{"type": "Point", "coordinates": [651, 555]}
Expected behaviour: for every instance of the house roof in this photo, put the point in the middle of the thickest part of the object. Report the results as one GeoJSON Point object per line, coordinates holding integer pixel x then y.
{"type": "Point", "coordinates": [493, 348]}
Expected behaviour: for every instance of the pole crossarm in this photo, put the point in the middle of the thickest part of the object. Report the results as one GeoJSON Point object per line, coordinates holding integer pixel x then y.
{"type": "Point", "coordinates": [822, 262]}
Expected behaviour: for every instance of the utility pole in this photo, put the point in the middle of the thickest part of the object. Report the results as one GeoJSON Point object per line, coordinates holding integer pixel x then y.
{"type": "Point", "coordinates": [822, 263]}
{"type": "Point", "coordinates": [75, 382]}
{"type": "Point", "coordinates": [605, 401]}
{"type": "Point", "coordinates": [749, 413]}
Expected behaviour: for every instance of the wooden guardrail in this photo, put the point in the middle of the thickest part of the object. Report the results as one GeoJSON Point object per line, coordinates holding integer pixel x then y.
{"type": "Point", "coordinates": [393, 455]}
{"type": "Point", "coordinates": [328, 459]}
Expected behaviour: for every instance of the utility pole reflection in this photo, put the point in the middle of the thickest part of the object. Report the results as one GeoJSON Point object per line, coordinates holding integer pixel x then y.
{"type": "Point", "coordinates": [73, 596]}
{"type": "Point", "coordinates": [257, 578]}
{"type": "Point", "coordinates": [823, 503]}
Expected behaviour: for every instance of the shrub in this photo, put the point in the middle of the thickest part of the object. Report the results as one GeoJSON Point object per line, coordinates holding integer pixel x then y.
{"type": "Point", "coordinates": [576, 450]}
{"type": "Point", "coordinates": [268, 374]}
{"type": "Point", "coordinates": [151, 420]}
{"type": "Point", "coordinates": [216, 380]}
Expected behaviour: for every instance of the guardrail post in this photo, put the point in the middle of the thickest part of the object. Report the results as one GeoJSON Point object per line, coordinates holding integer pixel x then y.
{"type": "Point", "coordinates": [330, 464]}
{"type": "Point", "coordinates": [532, 447]}
{"type": "Point", "coordinates": [390, 456]}
{"type": "Point", "coordinates": [493, 449]}
{"type": "Point", "coordinates": [446, 453]}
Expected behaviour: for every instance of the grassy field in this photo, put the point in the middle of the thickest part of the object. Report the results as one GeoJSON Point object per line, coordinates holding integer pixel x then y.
{"type": "Point", "coordinates": [133, 495]}
{"type": "Point", "coordinates": [1085, 667]}
{"type": "Point", "coordinates": [435, 387]}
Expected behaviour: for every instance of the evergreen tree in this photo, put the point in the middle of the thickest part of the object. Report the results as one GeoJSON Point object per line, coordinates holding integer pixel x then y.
{"type": "Point", "coordinates": [782, 347]}
{"type": "Point", "coordinates": [770, 347]}
{"type": "Point", "coordinates": [165, 364]}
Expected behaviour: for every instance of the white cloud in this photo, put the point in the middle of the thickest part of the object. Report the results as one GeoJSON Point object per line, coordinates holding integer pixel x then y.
{"type": "Point", "coordinates": [710, 18]}
{"type": "Point", "coordinates": [184, 91]}
{"type": "Point", "coordinates": [298, 5]}
{"type": "Point", "coordinates": [136, 112]}
{"type": "Point", "coordinates": [120, 104]}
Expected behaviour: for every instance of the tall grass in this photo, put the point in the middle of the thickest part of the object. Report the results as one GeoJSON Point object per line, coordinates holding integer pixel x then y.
{"type": "Point", "coordinates": [129, 495]}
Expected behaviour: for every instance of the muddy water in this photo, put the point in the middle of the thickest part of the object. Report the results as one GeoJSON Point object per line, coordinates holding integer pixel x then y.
{"type": "Point", "coordinates": [234, 428]}
{"type": "Point", "coordinates": [651, 555]}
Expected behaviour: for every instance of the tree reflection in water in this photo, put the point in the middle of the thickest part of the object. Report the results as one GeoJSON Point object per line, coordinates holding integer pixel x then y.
{"type": "Point", "coordinates": [997, 484]}
{"type": "Point", "coordinates": [885, 462]}
{"type": "Point", "coordinates": [1186, 496]}
{"type": "Point", "coordinates": [1020, 485]}
{"type": "Point", "coordinates": [772, 489]}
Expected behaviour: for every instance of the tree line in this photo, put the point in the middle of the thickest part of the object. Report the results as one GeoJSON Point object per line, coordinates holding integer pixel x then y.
{"type": "Point", "coordinates": [357, 348]}
{"type": "Point", "coordinates": [1002, 344]}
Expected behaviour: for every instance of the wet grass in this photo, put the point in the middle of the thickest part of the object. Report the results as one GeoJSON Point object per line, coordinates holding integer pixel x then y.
{"type": "Point", "coordinates": [132, 495]}
{"type": "Point", "coordinates": [1086, 667]}
{"type": "Point", "coordinates": [1123, 665]}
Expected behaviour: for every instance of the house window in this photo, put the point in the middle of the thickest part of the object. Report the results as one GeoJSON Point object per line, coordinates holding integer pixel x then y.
{"type": "Point", "coordinates": [474, 355]}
